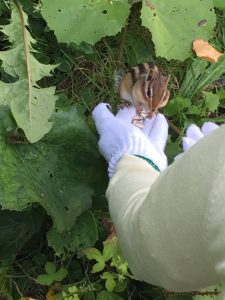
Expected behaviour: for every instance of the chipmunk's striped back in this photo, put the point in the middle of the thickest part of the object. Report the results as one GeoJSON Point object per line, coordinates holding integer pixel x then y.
{"type": "Point", "coordinates": [145, 87]}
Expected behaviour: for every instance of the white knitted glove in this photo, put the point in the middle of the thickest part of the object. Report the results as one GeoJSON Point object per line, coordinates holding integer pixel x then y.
{"type": "Point", "coordinates": [118, 136]}
{"type": "Point", "coordinates": [194, 134]}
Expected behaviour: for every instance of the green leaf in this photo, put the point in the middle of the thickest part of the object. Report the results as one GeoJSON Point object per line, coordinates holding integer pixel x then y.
{"type": "Point", "coordinates": [110, 281]}
{"type": "Point", "coordinates": [59, 173]}
{"type": "Point", "coordinates": [193, 73]}
{"type": "Point", "coordinates": [121, 285]}
{"type": "Point", "coordinates": [178, 297]}
{"type": "Point", "coordinates": [175, 24]}
{"type": "Point", "coordinates": [171, 150]}
{"type": "Point", "coordinates": [83, 234]}
{"type": "Point", "coordinates": [93, 253]}
{"type": "Point", "coordinates": [215, 288]}
{"type": "Point", "coordinates": [212, 73]}
{"type": "Point", "coordinates": [17, 228]}
{"type": "Point", "coordinates": [106, 295]}
{"type": "Point", "coordinates": [176, 106]}
{"type": "Point", "coordinates": [221, 94]}
{"type": "Point", "coordinates": [107, 250]}
{"type": "Point", "coordinates": [45, 279]}
{"type": "Point", "coordinates": [98, 267]}
{"type": "Point", "coordinates": [211, 101]}
{"type": "Point", "coordinates": [3, 7]}
{"type": "Point", "coordinates": [31, 106]}
{"type": "Point", "coordinates": [110, 284]}
{"type": "Point", "coordinates": [201, 74]}
{"type": "Point", "coordinates": [85, 20]}
{"type": "Point", "coordinates": [137, 48]}
{"type": "Point", "coordinates": [60, 274]}
{"type": "Point", "coordinates": [50, 268]}
{"type": "Point", "coordinates": [220, 4]}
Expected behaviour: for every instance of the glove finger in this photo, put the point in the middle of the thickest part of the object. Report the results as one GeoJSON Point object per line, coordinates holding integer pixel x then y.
{"type": "Point", "coordinates": [148, 123]}
{"type": "Point", "coordinates": [159, 132]}
{"type": "Point", "coordinates": [187, 143]}
{"type": "Point", "coordinates": [208, 127]}
{"type": "Point", "coordinates": [101, 116]}
{"type": "Point", "coordinates": [127, 113]}
{"type": "Point", "coordinates": [194, 133]}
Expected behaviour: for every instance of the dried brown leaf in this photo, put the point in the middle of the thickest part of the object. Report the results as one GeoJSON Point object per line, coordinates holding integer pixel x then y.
{"type": "Point", "coordinates": [204, 50]}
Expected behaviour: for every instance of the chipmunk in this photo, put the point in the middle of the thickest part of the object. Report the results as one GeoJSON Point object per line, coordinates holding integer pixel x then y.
{"type": "Point", "coordinates": [146, 88]}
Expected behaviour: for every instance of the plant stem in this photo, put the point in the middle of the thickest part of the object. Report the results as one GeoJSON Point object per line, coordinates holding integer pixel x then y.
{"type": "Point", "coordinates": [173, 127]}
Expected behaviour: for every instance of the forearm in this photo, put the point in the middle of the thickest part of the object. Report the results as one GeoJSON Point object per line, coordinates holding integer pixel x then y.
{"type": "Point", "coordinates": [126, 193]}
{"type": "Point", "coordinates": [163, 224]}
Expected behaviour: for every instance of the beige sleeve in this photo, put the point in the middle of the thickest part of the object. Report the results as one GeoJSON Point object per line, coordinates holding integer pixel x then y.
{"type": "Point", "coordinates": [171, 226]}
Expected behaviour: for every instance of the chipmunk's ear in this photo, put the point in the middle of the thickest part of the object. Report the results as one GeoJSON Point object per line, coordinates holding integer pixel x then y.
{"type": "Point", "coordinates": [167, 79]}
{"type": "Point", "coordinates": [152, 73]}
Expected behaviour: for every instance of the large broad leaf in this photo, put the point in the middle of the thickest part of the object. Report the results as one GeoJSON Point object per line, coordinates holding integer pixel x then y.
{"type": "Point", "coordinates": [59, 173]}
{"type": "Point", "coordinates": [31, 106]}
{"type": "Point", "coordinates": [16, 229]}
{"type": "Point", "coordinates": [85, 20]}
{"type": "Point", "coordinates": [175, 24]}
{"type": "Point", "coordinates": [220, 4]}
{"type": "Point", "coordinates": [83, 234]}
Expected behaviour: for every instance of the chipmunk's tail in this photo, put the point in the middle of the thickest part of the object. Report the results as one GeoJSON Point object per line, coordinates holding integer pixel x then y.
{"type": "Point", "coordinates": [117, 77]}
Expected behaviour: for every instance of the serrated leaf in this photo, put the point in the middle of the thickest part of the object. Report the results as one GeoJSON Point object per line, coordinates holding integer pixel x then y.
{"type": "Point", "coordinates": [220, 4]}
{"type": "Point", "coordinates": [85, 20]}
{"type": "Point", "coordinates": [83, 234]}
{"type": "Point", "coordinates": [211, 101]}
{"type": "Point", "coordinates": [44, 279]}
{"type": "Point", "coordinates": [50, 268]}
{"type": "Point", "coordinates": [175, 24]}
{"type": "Point", "coordinates": [59, 173]}
{"type": "Point", "coordinates": [31, 106]}
{"type": "Point", "coordinates": [60, 274]}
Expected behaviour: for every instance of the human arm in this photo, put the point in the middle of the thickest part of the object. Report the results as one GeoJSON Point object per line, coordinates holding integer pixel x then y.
{"type": "Point", "coordinates": [171, 227]}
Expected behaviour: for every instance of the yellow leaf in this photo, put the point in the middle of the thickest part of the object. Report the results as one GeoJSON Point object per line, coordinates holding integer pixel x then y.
{"type": "Point", "coordinates": [27, 298]}
{"type": "Point", "coordinates": [50, 295]}
{"type": "Point", "coordinates": [204, 50]}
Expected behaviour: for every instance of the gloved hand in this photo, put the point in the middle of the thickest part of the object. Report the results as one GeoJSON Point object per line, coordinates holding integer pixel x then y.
{"type": "Point", "coordinates": [118, 136]}
{"type": "Point", "coordinates": [194, 134]}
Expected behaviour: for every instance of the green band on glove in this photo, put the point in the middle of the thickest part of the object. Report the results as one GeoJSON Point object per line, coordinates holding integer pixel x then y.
{"type": "Point", "coordinates": [150, 162]}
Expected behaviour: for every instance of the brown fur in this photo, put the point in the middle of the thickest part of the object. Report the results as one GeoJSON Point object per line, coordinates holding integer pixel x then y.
{"type": "Point", "coordinates": [145, 87]}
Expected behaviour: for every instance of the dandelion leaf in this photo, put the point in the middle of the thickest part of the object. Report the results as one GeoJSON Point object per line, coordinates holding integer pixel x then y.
{"type": "Point", "coordinates": [31, 106]}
